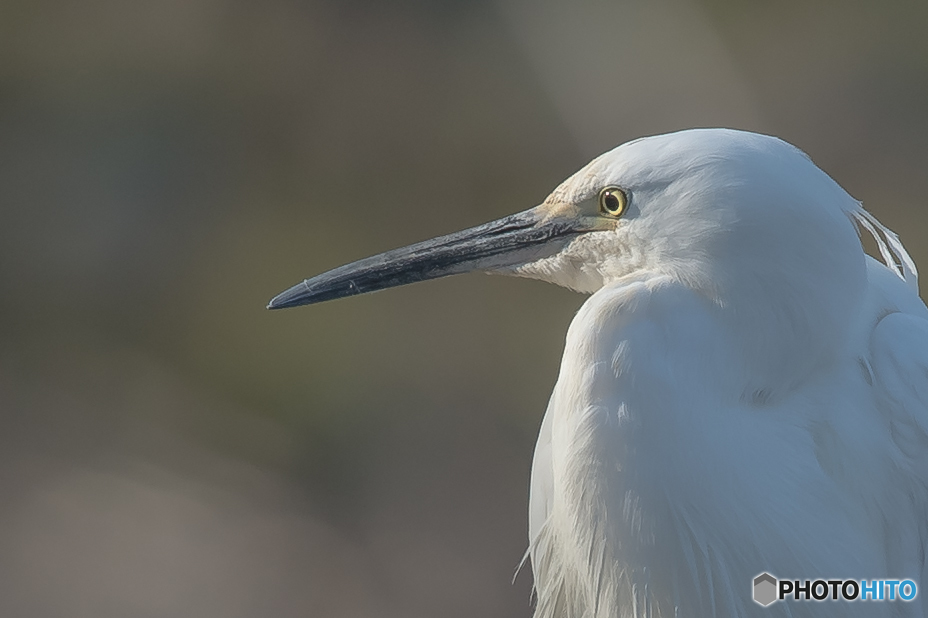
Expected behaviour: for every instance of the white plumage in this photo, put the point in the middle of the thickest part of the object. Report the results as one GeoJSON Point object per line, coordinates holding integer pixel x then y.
{"type": "Point", "coordinates": [750, 397]}
{"type": "Point", "coordinates": [744, 391]}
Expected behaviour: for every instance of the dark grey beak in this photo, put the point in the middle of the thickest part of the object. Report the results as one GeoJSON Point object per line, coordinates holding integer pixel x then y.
{"type": "Point", "coordinates": [516, 239]}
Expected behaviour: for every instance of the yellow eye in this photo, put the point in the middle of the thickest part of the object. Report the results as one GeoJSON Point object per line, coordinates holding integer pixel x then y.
{"type": "Point", "coordinates": [613, 201]}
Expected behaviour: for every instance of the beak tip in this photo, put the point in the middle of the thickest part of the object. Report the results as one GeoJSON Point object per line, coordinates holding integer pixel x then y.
{"type": "Point", "coordinates": [294, 297]}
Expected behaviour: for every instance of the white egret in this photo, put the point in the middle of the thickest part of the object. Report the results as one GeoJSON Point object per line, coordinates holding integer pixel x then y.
{"type": "Point", "coordinates": [745, 391]}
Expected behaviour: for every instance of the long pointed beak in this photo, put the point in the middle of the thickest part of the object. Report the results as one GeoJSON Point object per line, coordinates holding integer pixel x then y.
{"type": "Point", "coordinates": [516, 239]}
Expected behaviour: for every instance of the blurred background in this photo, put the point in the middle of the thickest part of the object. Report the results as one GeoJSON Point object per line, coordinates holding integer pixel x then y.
{"type": "Point", "coordinates": [170, 448]}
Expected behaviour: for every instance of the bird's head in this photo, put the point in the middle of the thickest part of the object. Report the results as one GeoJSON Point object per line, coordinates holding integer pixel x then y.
{"type": "Point", "coordinates": [746, 221]}
{"type": "Point", "coordinates": [725, 212]}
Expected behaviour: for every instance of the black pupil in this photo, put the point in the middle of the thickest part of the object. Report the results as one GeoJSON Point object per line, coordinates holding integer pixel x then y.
{"type": "Point", "coordinates": [612, 202]}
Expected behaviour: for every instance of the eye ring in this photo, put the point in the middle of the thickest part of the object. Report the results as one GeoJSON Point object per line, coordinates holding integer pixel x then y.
{"type": "Point", "coordinates": [613, 201]}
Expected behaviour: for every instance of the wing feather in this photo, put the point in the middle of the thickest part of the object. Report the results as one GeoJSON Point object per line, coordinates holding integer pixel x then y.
{"type": "Point", "coordinates": [899, 361]}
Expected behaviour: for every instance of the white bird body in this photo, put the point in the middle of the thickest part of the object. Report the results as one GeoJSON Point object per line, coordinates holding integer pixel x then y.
{"type": "Point", "coordinates": [654, 494]}
{"type": "Point", "coordinates": [674, 463]}
{"type": "Point", "coordinates": [745, 391]}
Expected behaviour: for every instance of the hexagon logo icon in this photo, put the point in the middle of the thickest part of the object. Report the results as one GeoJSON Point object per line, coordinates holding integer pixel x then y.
{"type": "Point", "coordinates": [765, 589]}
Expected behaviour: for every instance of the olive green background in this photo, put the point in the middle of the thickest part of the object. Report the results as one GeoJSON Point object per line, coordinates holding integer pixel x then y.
{"type": "Point", "coordinates": [170, 448]}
